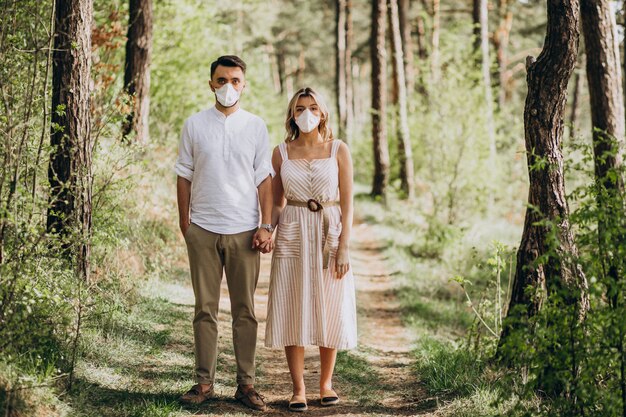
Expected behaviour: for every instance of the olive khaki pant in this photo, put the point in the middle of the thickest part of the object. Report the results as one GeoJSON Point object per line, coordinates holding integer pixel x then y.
{"type": "Point", "coordinates": [210, 255]}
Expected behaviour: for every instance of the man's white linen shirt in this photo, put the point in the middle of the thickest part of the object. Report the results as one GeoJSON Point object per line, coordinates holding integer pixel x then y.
{"type": "Point", "coordinates": [225, 158]}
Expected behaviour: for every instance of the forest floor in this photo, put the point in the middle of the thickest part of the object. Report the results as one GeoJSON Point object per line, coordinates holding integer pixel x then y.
{"type": "Point", "coordinates": [142, 373]}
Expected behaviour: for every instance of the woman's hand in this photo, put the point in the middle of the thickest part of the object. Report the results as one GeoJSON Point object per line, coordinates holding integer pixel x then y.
{"type": "Point", "coordinates": [342, 261]}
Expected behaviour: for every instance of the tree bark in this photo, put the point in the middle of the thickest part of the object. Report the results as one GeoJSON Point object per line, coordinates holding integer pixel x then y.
{"type": "Point", "coordinates": [137, 68]}
{"type": "Point", "coordinates": [405, 154]}
{"type": "Point", "coordinates": [407, 43]}
{"type": "Point", "coordinates": [481, 44]}
{"type": "Point", "coordinates": [434, 51]}
{"type": "Point", "coordinates": [340, 65]}
{"type": "Point", "coordinates": [547, 216]}
{"type": "Point", "coordinates": [422, 51]}
{"type": "Point", "coordinates": [69, 172]}
{"type": "Point", "coordinates": [379, 88]}
{"type": "Point", "coordinates": [349, 81]}
{"type": "Point", "coordinates": [604, 78]}
{"type": "Point", "coordinates": [575, 114]}
{"type": "Point", "coordinates": [501, 41]}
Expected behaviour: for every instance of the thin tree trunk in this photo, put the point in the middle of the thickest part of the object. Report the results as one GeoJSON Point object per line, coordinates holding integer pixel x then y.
{"type": "Point", "coordinates": [481, 43]}
{"type": "Point", "coordinates": [379, 88]}
{"type": "Point", "coordinates": [537, 268]}
{"type": "Point", "coordinates": [407, 45]}
{"type": "Point", "coordinates": [501, 41]}
{"type": "Point", "coordinates": [405, 154]}
{"type": "Point", "coordinates": [575, 113]}
{"type": "Point", "coordinates": [137, 68]}
{"type": "Point", "coordinates": [69, 171]}
{"type": "Point", "coordinates": [422, 51]}
{"type": "Point", "coordinates": [340, 65]}
{"type": "Point", "coordinates": [348, 67]}
{"type": "Point", "coordinates": [282, 71]}
{"type": "Point", "coordinates": [434, 51]}
{"type": "Point", "coordinates": [604, 77]}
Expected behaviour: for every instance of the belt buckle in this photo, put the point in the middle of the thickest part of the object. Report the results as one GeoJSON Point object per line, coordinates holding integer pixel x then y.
{"type": "Point", "coordinates": [314, 205]}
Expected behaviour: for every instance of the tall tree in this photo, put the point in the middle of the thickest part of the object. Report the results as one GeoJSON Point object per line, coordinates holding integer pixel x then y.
{"type": "Point", "coordinates": [481, 45]}
{"type": "Point", "coordinates": [340, 65]}
{"type": "Point", "coordinates": [547, 215]}
{"type": "Point", "coordinates": [405, 153]}
{"type": "Point", "coordinates": [69, 172]}
{"type": "Point", "coordinates": [349, 80]}
{"type": "Point", "coordinates": [407, 45]}
{"type": "Point", "coordinates": [379, 88]}
{"type": "Point", "coordinates": [434, 48]}
{"type": "Point", "coordinates": [501, 42]}
{"type": "Point", "coordinates": [604, 78]}
{"type": "Point", "coordinates": [137, 68]}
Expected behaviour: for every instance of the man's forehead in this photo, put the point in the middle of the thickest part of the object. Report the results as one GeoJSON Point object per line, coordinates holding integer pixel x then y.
{"type": "Point", "coordinates": [228, 72]}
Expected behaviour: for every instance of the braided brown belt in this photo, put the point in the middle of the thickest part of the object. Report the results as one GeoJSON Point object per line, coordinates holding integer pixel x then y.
{"type": "Point", "coordinates": [316, 206]}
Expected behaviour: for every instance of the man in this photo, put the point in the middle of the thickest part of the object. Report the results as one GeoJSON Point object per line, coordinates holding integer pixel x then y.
{"type": "Point", "coordinates": [224, 174]}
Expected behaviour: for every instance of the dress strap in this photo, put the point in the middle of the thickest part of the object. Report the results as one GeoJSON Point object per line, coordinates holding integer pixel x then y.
{"type": "Point", "coordinates": [335, 148]}
{"type": "Point", "coordinates": [282, 147]}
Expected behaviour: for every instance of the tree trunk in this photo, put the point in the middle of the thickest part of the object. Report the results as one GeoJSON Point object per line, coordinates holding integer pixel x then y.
{"type": "Point", "coordinates": [434, 52]}
{"type": "Point", "coordinates": [349, 82]}
{"type": "Point", "coordinates": [501, 42]}
{"type": "Point", "coordinates": [604, 77]}
{"type": "Point", "coordinates": [422, 51]}
{"type": "Point", "coordinates": [69, 172]}
{"type": "Point", "coordinates": [481, 43]}
{"type": "Point", "coordinates": [340, 65]}
{"type": "Point", "coordinates": [379, 88]}
{"type": "Point", "coordinates": [137, 68]}
{"type": "Point", "coordinates": [547, 217]}
{"type": "Point", "coordinates": [407, 43]}
{"type": "Point", "coordinates": [405, 154]}
{"type": "Point", "coordinates": [575, 114]}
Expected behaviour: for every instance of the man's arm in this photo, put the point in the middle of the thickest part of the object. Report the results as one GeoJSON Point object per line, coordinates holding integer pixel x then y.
{"type": "Point", "coordinates": [183, 194]}
{"type": "Point", "coordinates": [265, 201]}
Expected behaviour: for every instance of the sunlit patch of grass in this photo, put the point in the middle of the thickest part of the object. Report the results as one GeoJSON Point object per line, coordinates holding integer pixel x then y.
{"type": "Point", "coordinates": [356, 374]}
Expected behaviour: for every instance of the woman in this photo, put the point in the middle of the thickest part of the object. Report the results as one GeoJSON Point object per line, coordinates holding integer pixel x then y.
{"type": "Point", "coordinates": [311, 295]}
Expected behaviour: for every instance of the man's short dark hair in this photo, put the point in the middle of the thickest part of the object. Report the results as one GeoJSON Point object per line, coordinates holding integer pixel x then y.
{"type": "Point", "coordinates": [228, 61]}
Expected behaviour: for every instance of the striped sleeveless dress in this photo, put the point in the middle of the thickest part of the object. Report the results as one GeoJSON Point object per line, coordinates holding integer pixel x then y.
{"type": "Point", "coordinates": [307, 305]}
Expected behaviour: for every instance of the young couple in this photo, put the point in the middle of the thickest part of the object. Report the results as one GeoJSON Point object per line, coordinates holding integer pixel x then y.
{"type": "Point", "coordinates": [304, 191]}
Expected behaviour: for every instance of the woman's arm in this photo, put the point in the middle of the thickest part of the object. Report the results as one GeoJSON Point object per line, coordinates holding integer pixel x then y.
{"type": "Point", "coordinates": [344, 160]}
{"type": "Point", "coordinates": [277, 187]}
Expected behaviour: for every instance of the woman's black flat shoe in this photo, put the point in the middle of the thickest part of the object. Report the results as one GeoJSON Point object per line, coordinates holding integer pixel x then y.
{"type": "Point", "coordinates": [298, 404]}
{"type": "Point", "coordinates": [329, 397]}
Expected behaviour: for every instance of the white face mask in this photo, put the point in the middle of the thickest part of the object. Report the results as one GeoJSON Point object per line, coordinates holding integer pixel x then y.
{"type": "Point", "coordinates": [226, 95]}
{"type": "Point", "coordinates": [307, 121]}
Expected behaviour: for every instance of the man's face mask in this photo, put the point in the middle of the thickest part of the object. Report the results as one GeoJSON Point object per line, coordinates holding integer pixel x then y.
{"type": "Point", "coordinates": [226, 95]}
{"type": "Point", "coordinates": [307, 121]}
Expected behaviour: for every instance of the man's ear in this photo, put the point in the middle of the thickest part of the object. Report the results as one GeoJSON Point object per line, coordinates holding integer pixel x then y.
{"type": "Point", "coordinates": [211, 86]}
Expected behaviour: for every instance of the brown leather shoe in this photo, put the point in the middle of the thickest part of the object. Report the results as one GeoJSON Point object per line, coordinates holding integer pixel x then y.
{"type": "Point", "coordinates": [196, 395]}
{"type": "Point", "coordinates": [251, 399]}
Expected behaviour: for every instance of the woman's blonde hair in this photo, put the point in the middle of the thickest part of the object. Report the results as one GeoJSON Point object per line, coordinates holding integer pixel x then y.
{"type": "Point", "coordinates": [290, 123]}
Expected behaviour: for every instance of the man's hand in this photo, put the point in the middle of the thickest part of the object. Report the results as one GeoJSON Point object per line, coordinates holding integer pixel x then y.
{"type": "Point", "coordinates": [342, 262]}
{"type": "Point", "coordinates": [262, 241]}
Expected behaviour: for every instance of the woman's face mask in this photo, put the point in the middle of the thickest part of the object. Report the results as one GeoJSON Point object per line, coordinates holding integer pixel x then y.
{"type": "Point", "coordinates": [307, 121]}
{"type": "Point", "coordinates": [226, 95]}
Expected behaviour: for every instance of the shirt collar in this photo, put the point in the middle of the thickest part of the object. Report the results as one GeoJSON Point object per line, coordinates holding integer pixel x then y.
{"type": "Point", "coordinates": [221, 116]}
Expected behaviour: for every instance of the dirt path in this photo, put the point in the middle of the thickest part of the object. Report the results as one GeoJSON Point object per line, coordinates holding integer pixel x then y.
{"type": "Point", "coordinates": [374, 379]}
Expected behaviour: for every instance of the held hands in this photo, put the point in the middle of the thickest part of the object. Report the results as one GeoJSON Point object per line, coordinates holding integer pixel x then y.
{"type": "Point", "coordinates": [262, 241]}
{"type": "Point", "coordinates": [342, 262]}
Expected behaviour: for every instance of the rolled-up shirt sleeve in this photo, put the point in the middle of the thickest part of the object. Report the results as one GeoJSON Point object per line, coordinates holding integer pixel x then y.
{"type": "Point", "coordinates": [184, 163]}
{"type": "Point", "coordinates": [262, 160]}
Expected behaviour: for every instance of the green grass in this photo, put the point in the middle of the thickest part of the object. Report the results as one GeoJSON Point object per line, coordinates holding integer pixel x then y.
{"type": "Point", "coordinates": [424, 255]}
{"type": "Point", "coordinates": [358, 375]}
